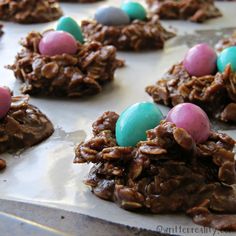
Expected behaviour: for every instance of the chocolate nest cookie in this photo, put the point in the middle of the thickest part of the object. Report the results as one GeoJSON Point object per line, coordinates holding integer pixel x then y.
{"type": "Point", "coordinates": [193, 10]}
{"type": "Point", "coordinates": [23, 126]}
{"type": "Point", "coordinates": [136, 36]}
{"type": "Point", "coordinates": [167, 173]}
{"type": "Point", "coordinates": [30, 11]}
{"type": "Point", "coordinates": [216, 94]}
{"type": "Point", "coordinates": [65, 75]}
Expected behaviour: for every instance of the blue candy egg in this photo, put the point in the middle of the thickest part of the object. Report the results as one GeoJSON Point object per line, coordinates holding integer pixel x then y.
{"type": "Point", "coordinates": [111, 16]}
{"type": "Point", "coordinates": [133, 123]}
{"type": "Point", "coordinates": [69, 25]}
{"type": "Point", "coordinates": [134, 10]}
{"type": "Point", "coordinates": [227, 56]}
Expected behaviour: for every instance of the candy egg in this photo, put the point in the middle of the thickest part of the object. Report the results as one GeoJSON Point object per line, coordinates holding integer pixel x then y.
{"type": "Point", "coordinates": [133, 123]}
{"type": "Point", "coordinates": [56, 43]}
{"type": "Point", "coordinates": [5, 101]}
{"type": "Point", "coordinates": [69, 25]}
{"type": "Point", "coordinates": [191, 118]}
{"type": "Point", "coordinates": [134, 10]}
{"type": "Point", "coordinates": [111, 16]}
{"type": "Point", "coordinates": [200, 60]}
{"type": "Point", "coordinates": [227, 56]}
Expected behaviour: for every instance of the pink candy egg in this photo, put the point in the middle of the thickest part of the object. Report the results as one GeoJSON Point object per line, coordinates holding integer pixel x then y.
{"type": "Point", "coordinates": [191, 118]}
{"type": "Point", "coordinates": [56, 43]}
{"type": "Point", "coordinates": [200, 60]}
{"type": "Point", "coordinates": [5, 101]}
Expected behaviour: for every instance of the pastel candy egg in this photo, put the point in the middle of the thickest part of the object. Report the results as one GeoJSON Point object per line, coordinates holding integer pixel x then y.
{"type": "Point", "coordinates": [200, 60]}
{"type": "Point", "coordinates": [134, 10]}
{"type": "Point", "coordinates": [56, 43]}
{"type": "Point", "coordinates": [191, 118]}
{"type": "Point", "coordinates": [111, 16]}
{"type": "Point", "coordinates": [133, 123]}
{"type": "Point", "coordinates": [69, 25]}
{"type": "Point", "coordinates": [5, 101]}
{"type": "Point", "coordinates": [227, 56]}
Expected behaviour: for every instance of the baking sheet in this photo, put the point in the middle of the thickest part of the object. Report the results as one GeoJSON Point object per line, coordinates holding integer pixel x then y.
{"type": "Point", "coordinates": [45, 173]}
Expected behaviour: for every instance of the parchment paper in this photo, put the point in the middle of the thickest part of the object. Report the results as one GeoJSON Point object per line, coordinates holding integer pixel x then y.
{"type": "Point", "coordinates": [45, 173]}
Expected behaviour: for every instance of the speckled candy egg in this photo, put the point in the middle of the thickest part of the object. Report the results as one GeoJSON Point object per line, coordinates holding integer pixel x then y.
{"type": "Point", "coordinates": [191, 118]}
{"type": "Point", "coordinates": [227, 56]}
{"type": "Point", "coordinates": [56, 43]}
{"type": "Point", "coordinates": [5, 101]}
{"type": "Point", "coordinates": [133, 123]}
{"type": "Point", "coordinates": [111, 16]}
{"type": "Point", "coordinates": [200, 60]}
{"type": "Point", "coordinates": [134, 10]}
{"type": "Point", "coordinates": [69, 25]}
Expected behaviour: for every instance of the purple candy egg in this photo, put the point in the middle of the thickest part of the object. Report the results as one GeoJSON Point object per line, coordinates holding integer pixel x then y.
{"type": "Point", "coordinates": [191, 118]}
{"type": "Point", "coordinates": [5, 101]}
{"type": "Point", "coordinates": [56, 43]}
{"type": "Point", "coordinates": [200, 60]}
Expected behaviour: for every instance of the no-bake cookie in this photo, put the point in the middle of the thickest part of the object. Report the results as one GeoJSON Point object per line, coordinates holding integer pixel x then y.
{"type": "Point", "coordinates": [130, 32]}
{"type": "Point", "coordinates": [193, 10]}
{"type": "Point", "coordinates": [84, 72]}
{"type": "Point", "coordinates": [197, 80]}
{"type": "Point", "coordinates": [166, 173]}
{"type": "Point", "coordinates": [22, 125]}
{"type": "Point", "coordinates": [30, 11]}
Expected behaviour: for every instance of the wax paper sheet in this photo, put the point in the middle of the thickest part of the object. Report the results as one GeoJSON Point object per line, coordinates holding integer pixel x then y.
{"type": "Point", "coordinates": [45, 174]}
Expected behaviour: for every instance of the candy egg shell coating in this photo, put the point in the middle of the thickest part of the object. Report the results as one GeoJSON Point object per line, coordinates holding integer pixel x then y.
{"type": "Point", "coordinates": [134, 10]}
{"type": "Point", "coordinates": [111, 16]}
{"type": "Point", "coordinates": [227, 56]}
{"type": "Point", "coordinates": [200, 60]}
{"type": "Point", "coordinates": [56, 43]}
{"type": "Point", "coordinates": [69, 25]}
{"type": "Point", "coordinates": [191, 118]}
{"type": "Point", "coordinates": [133, 123]}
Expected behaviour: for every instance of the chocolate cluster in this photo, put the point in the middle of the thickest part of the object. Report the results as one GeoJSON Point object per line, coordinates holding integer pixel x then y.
{"type": "Point", "coordinates": [216, 94]}
{"type": "Point", "coordinates": [23, 126]}
{"type": "Point", "coordinates": [193, 10]}
{"type": "Point", "coordinates": [136, 36]}
{"type": "Point", "coordinates": [30, 11]}
{"type": "Point", "coordinates": [65, 75]}
{"type": "Point", "coordinates": [167, 173]}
